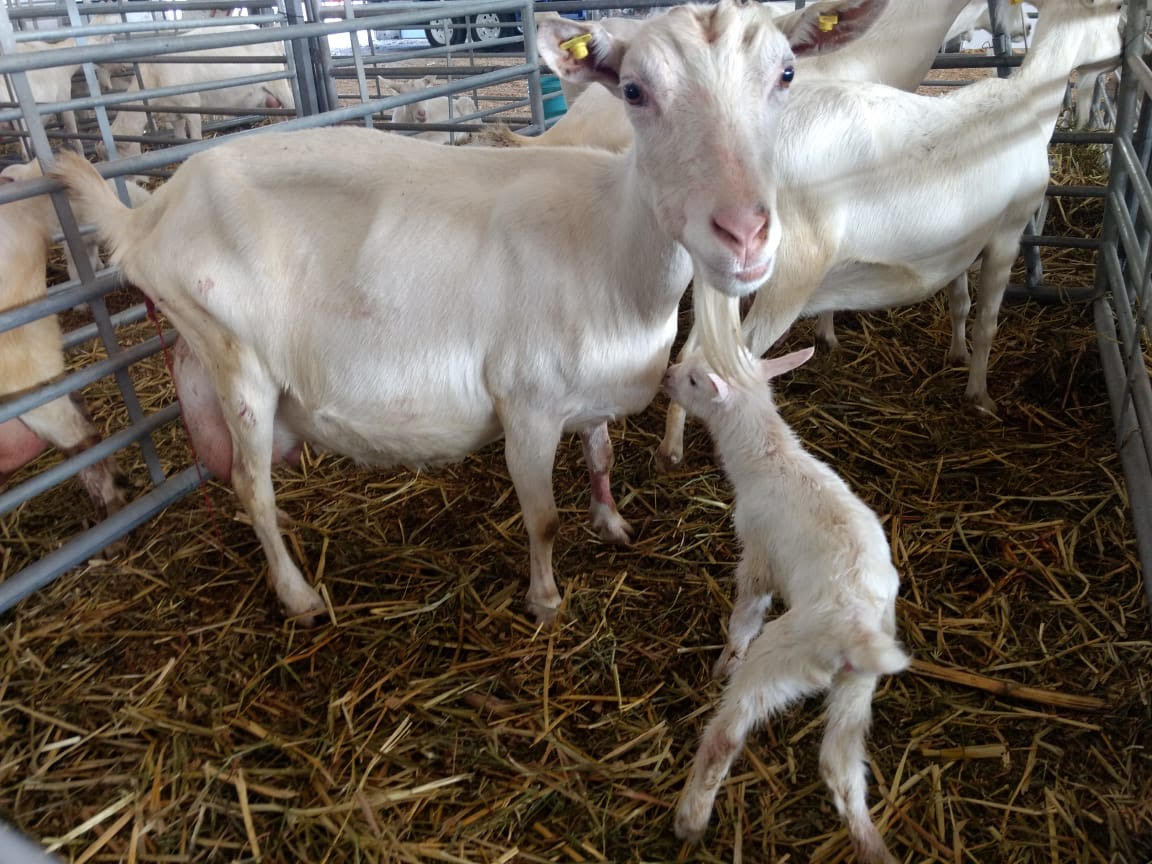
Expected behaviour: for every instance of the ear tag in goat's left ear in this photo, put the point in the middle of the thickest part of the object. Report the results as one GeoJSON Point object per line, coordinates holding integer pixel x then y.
{"type": "Point", "coordinates": [827, 22]}
{"type": "Point", "coordinates": [577, 46]}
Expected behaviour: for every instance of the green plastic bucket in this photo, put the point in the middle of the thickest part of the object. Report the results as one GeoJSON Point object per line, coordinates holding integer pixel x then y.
{"type": "Point", "coordinates": [554, 103]}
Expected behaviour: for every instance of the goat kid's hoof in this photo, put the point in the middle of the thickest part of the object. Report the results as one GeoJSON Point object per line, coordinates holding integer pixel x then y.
{"type": "Point", "coordinates": [688, 826]}
{"type": "Point", "coordinates": [306, 608]}
{"type": "Point", "coordinates": [669, 458]}
{"type": "Point", "coordinates": [956, 357]}
{"type": "Point", "coordinates": [611, 527]}
{"type": "Point", "coordinates": [546, 613]}
{"type": "Point", "coordinates": [983, 403]}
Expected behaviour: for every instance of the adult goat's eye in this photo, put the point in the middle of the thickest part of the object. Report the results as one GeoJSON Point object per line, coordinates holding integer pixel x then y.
{"type": "Point", "coordinates": [692, 380]}
{"type": "Point", "coordinates": [633, 95]}
{"type": "Point", "coordinates": [787, 75]}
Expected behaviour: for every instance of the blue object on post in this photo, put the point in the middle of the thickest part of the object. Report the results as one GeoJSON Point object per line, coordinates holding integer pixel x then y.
{"type": "Point", "coordinates": [554, 103]}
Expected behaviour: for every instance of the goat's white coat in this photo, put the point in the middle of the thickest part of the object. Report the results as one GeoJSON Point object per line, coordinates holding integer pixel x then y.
{"type": "Point", "coordinates": [466, 293]}
{"type": "Point", "coordinates": [863, 169]}
{"type": "Point", "coordinates": [808, 538]}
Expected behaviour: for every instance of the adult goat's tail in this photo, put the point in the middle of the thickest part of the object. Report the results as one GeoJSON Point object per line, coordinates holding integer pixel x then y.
{"type": "Point", "coordinates": [96, 202]}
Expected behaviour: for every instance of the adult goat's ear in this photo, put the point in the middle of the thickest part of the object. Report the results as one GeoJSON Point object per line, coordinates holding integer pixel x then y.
{"type": "Point", "coordinates": [776, 366]}
{"type": "Point", "coordinates": [582, 52]}
{"type": "Point", "coordinates": [829, 24]}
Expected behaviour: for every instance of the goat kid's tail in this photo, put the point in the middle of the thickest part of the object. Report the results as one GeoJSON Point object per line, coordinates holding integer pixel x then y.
{"type": "Point", "coordinates": [96, 202]}
{"type": "Point", "coordinates": [876, 653]}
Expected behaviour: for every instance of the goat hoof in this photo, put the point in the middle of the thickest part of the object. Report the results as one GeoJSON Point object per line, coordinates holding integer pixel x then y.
{"type": "Point", "coordinates": [688, 826]}
{"type": "Point", "coordinates": [669, 458]}
{"type": "Point", "coordinates": [610, 526]}
{"type": "Point", "coordinates": [983, 403]}
{"type": "Point", "coordinates": [545, 612]}
{"type": "Point", "coordinates": [957, 357]}
{"type": "Point", "coordinates": [306, 607]}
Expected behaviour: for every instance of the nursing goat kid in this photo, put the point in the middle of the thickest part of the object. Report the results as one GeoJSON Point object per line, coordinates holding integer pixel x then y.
{"type": "Point", "coordinates": [808, 538]}
{"type": "Point", "coordinates": [887, 197]}
{"type": "Point", "coordinates": [33, 354]}
{"type": "Point", "coordinates": [897, 50]}
{"type": "Point", "coordinates": [469, 294]}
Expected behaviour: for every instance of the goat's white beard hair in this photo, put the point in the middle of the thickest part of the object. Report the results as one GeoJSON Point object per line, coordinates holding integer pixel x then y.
{"type": "Point", "coordinates": [718, 333]}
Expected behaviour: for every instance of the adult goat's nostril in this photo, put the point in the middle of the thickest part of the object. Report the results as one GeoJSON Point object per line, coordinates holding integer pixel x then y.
{"type": "Point", "coordinates": [743, 230]}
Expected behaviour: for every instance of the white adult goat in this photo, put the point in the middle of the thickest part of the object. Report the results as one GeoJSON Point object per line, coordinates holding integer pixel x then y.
{"type": "Point", "coordinates": [1013, 18]}
{"type": "Point", "coordinates": [863, 170]}
{"type": "Point", "coordinates": [808, 538]}
{"type": "Point", "coordinates": [897, 50]}
{"type": "Point", "coordinates": [269, 94]}
{"type": "Point", "coordinates": [32, 354]}
{"type": "Point", "coordinates": [469, 294]}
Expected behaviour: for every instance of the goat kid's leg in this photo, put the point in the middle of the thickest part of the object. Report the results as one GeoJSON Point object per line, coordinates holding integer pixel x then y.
{"type": "Point", "coordinates": [670, 453]}
{"type": "Point", "coordinates": [248, 400]}
{"type": "Point", "coordinates": [959, 305]}
{"type": "Point", "coordinates": [994, 271]}
{"type": "Point", "coordinates": [745, 622]}
{"type": "Point", "coordinates": [781, 668]}
{"type": "Point", "coordinates": [605, 518]}
{"type": "Point", "coordinates": [826, 330]}
{"type": "Point", "coordinates": [64, 423]}
{"type": "Point", "coordinates": [530, 452]}
{"type": "Point", "coordinates": [68, 121]}
{"type": "Point", "coordinates": [842, 760]}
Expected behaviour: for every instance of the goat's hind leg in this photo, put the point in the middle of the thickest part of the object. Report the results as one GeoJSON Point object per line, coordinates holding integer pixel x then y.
{"type": "Point", "coordinates": [248, 399]}
{"type": "Point", "coordinates": [842, 760]}
{"type": "Point", "coordinates": [959, 305]}
{"type": "Point", "coordinates": [995, 268]}
{"type": "Point", "coordinates": [781, 668]}
{"type": "Point", "coordinates": [64, 423]}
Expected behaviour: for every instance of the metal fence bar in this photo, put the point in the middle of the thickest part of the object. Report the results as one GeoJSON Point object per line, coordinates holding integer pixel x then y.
{"type": "Point", "coordinates": [118, 363]}
{"type": "Point", "coordinates": [87, 544]}
{"type": "Point", "coordinates": [45, 480]}
{"type": "Point", "coordinates": [1122, 278]}
{"type": "Point", "coordinates": [19, 84]}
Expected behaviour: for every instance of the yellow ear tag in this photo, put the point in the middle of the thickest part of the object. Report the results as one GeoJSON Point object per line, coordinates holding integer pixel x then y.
{"type": "Point", "coordinates": [577, 46]}
{"type": "Point", "coordinates": [1017, 2]}
{"type": "Point", "coordinates": [827, 22]}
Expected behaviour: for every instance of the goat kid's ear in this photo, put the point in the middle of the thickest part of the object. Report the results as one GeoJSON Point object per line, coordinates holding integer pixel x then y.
{"type": "Point", "coordinates": [773, 367]}
{"type": "Point", "coordinates": [595, 61]}
{"type": "Point", "coordinates": [825, 26]}
{"type": "Point", "coordinates": [720, 388]}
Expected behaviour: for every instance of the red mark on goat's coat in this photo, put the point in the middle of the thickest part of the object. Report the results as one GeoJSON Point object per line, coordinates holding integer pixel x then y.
{"type": "Point", "coordinates": [205, 286]}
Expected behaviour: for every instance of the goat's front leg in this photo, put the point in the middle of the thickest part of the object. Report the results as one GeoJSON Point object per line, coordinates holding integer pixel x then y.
{"type": "Point", "coordinates": [670, 453]}
{"type": "Point", "coordinates": [530, 452]}
{"type": "Point", "coordinates": [994, 271]}
{"type": "Point", "coordinates": [753, 599]}
{"type": "Point", "coordinates": [605, 518]}
{"type": "Point", "coordinates": [826, 330]}
{"type": "Point", "coordinates": [959, 305]}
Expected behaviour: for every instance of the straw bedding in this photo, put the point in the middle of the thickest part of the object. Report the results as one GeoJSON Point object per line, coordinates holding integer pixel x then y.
{"type": "Point", "coordinates": [154, 706]}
